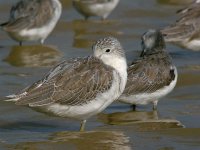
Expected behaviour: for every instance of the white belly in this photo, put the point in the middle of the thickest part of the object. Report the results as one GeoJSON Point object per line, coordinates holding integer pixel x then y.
{"type": "Point", "coordinates": [93, 107]}
{"type": "Point", "coordinates": [36, 34]}
{"type": "Point", "coordinates": [97, 9]}
{"type": "Point", "coordinates": [193, 45]}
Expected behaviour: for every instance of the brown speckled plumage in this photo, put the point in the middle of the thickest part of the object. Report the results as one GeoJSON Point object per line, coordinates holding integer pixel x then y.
{"type": "Point", "coordinates": [153, 75]}
{"type": "Point", "coordinates": [149, 74]}
{"type": "Point", "coordinates": [73, 82]}
{"type": "Point", "coordinates": [29, 14]}
{"type": "Point", "coordinates": [186, 28]}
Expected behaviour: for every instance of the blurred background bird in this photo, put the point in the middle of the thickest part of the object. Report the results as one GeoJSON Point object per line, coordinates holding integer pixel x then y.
{"type": "Point", "coordinates": [32, 20]}
{"type": "Point", "coordinates": [101, 8]}
{"type": "Point", "coordinates": [185, 32]}
{"type": "Point", "coordinates": [153, 75]}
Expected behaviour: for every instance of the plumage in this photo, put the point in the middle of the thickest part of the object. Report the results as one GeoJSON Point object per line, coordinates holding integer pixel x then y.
{"type": "Point", "coordinates": [32, 20]}
{"type": "Point", "coordinates": [149, 74]}
{"type": "Point", "coordinates": [68, 86]}
{"type": "Point", "coordinates": [101, 8]}
{"type": "Point", "coordinates": [153, 75]}
{"type": "Point", "coordinates": [82, 87]}
{"type": "Point", "coordinates": [185, 31]}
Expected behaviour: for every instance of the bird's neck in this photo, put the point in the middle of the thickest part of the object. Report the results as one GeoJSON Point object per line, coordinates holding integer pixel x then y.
{"type": "Point", "coordinates": [57, 2]}
{"type": "Point", "coordinates": [120, 65]}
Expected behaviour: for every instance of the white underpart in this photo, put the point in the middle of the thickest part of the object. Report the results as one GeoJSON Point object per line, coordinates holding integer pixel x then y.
{"type": "Point", "coordinates": [193, 44]}
{"type": "Point", "coordinates": [187, 43]}
{"type": "Point", "coordinates": [41, 33]}
{"type": "Point", "coordinates": [100, 9]}
{"type": "Point", "coordinates": [101, 101]}
{"type": "Point", "coordinates": [197, 1]}
{"type": "Point", "coordinates": [146, 98]}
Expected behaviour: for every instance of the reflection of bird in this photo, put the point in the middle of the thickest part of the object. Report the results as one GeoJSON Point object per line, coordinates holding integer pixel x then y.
{"type": "Point", "coordinates": [92, 140]}
{"type": "Point", "coordinates": [32, 20]}
{"type": "Point", "coordinates": [175, 2]}
{"type": "Point", "coordinates": [33, 56]}
{"type": "Point", "coordinates": [101, 8]}
{"type": "Point", "coordinates": [82, 87]}
{"type": "Point", "coordinates": [130, 117]}
{"type": "Point", "coordinates": [153, 75]}
{"type": "Point", "coordinates": [185, 31]}
{"type": "Point", "coordinates": [140, 120]}
{"type": "Point", "coordinates": [102, 139]}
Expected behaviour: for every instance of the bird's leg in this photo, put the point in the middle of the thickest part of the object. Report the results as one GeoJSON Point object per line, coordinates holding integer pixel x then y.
{"type": "Point", "coordinates": [86, 18]}
{"type": "Point", "coordinates": [42, 41]}
{"type": "Point", "coordinates": [155, 103]}
{"type": "Point", "coordinates": [82, 128]}
{"type": "Point", "coordinates": [134, 107]}
{"type": "Point", "coordinates": [155, 114]}
{"type": "Point", "coordinates": [103, 18]}
{"type": "Point", "coordinates": [20, 43]}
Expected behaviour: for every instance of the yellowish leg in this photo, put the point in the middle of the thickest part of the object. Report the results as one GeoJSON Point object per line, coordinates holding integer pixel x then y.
{"type": "Point", "coordinates": [82, 128]}
{"type": "Point", "coordinates": [134, 107]}
{"type": "Point", "coordinates": [155, 103]}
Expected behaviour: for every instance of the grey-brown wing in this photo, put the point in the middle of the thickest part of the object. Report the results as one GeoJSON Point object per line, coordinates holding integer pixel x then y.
{"type": "Point", "coordinates": [189, 9]}
{"type": "Point", "coordinates": [73, 86]}
{"type": "Point", "coordinates": [28, 14]}
{"type": "Point", "coordinates": [16, 25]}
{"type": "Point", "coordinates": [61, 67]}
{"type": "Point", "coordinates": [148, 75]}
{"type": "Point", "coordinates": [178, 32]}
{"type": "Point", "coordinates": [185, 27]}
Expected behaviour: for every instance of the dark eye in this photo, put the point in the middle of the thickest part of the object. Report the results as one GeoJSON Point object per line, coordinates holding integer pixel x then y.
{"type": "Point", "coordinates": [108, 50]}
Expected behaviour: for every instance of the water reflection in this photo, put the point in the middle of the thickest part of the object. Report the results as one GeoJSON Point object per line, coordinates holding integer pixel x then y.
{"type": "Point", "coordinates": [66, 3]}
{"type": "Point", "coordinates": [175, 2]}
{"type": "Point", "coordinates": [86, 32]}
{"type": "Point", "coordinates": [33, 56]}
{"type": "Point", "coordinates": [186, 136]}
{"type": "Point", "coordinates": [143, 121]}
{"type": "Point", "coordinates": [94, 140]}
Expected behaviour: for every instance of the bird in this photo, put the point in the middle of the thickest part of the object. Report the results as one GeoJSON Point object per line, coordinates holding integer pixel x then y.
{"type": "Point", "coordinates": [101, 8]}
{"type": "Point", "coordinates": [32, 20]}
{"type": "Point", "coordinates": [185, 32]}
{"type": "Point", "coordinates": [79, 87]}
{"type": "Point", "coordinates": [153, 75]}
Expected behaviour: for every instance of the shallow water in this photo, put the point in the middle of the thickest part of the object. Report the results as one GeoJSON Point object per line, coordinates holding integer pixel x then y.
{"type": "Point", "coordinates": [176, 124]}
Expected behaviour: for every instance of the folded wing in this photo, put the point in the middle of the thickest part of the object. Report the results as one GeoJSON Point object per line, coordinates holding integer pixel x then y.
{"type": "Point", "coordinates": [71, 83]}
{"type": "Point", "coordinates": [145, 76]}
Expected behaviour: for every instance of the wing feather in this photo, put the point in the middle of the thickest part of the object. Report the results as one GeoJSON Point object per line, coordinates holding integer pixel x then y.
{"type": "Point", "coordinates": [27, 14]}
{"type": "Point", "coordinates": [148, 75]}
{"type": "Point", "coordinates": [73, 83]}
{"type": "Point", "coordinates": [186, 26]}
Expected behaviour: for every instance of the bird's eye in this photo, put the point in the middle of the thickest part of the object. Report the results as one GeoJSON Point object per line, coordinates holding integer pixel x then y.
{"type": "Point", "coordinates": [108, 50]}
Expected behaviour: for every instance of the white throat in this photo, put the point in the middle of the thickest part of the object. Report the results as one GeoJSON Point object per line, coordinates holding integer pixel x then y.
{"type": "Point", "coordinates": [120, 65]}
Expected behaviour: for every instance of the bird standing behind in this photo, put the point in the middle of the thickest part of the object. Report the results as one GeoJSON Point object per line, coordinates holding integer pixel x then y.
{"type": "Point", "coordinates": [152, 76]}
{"type": "Point", "coordinates": [32, 20]}
{"type": "Point", "coordinates": [185, 32]}
{"type": "Point", "coordinates": [101, 8]}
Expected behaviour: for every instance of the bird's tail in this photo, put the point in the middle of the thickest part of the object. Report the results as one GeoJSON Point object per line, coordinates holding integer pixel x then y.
{"type": "Point", "coordinates": [10, 98]}
{"type": "Point", "coordinates": [3, 24]}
